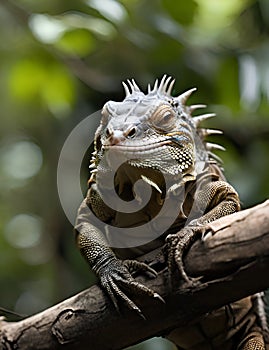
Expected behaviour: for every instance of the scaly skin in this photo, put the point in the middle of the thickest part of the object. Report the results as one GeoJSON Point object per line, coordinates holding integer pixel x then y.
{"type": "Point", "coordinates": [152, 138]}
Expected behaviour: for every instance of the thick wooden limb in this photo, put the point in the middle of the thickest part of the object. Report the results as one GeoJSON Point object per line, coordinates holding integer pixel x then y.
{"type": "Point", "coordinates": [234, 263]}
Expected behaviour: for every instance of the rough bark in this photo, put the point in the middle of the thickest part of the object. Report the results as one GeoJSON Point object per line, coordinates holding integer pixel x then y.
{"type": "Point", "coordinates": [234, 263]}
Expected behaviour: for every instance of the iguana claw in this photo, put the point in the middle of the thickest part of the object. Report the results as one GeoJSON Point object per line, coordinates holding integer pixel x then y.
{"type": "Point", "coordinates": [176, 246]}
{"type": "Point", "coordinates": [117, 280]}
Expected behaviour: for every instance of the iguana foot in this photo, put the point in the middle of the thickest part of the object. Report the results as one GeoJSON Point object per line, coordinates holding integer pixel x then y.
{"type": "Point", "coordinates": [116, 279]}
{"type": "Point", "coordinates": [176, 246]}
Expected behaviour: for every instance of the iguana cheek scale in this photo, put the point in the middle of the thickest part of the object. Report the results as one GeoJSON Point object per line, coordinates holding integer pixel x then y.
{"type": "Point", "coordinates": [152, 140]}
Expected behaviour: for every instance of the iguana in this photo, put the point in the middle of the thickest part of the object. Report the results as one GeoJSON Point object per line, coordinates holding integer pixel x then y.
{"type": "Point", "coordinates": [152, 139]}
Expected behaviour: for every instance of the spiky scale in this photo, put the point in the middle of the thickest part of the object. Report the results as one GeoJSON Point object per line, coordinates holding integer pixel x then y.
{"type": "Point", "coordinates": [214, 158]}
{"type": "Point", "coordinates": [214, 146]}
{"type": "Point", "coordinates": [136, 87]}
{"type": "Point", "coordinates": [165, 85]}
{"type": "Point", "coordinates": [160, 89]}
{"type": "Point", "coordinates": [184, 97]}
{"type": "Point", "coordinates": [208, 132]}
{"type": "Point", "coordinates": [192, 108]}
{"type": "Point", "coordinates": [155, 87]}
{"type": "Point", "coordinates": [151, 183]}
{"type": "Point", "coordinates": [170, 87]}
{"type": "Point", "coordinates": [133, 86]}
{"type": "Point", "coordinates": [200, 118]}
{"type": "Point", "coordinates": [126, 89]}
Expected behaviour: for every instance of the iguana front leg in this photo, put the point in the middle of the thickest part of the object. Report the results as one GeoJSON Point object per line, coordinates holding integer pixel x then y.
{"type": "Point", "coordinates": [114, 274]}
{"type": "Point", "coordinates": [215, 199]}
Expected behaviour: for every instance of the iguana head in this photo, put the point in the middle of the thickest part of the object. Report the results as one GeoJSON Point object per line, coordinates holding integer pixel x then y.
{"type": "Point", "coordinates": [153, 131]}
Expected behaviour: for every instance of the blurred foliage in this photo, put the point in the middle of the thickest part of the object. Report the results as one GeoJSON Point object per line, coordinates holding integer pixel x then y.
{"type": "Point", "coordinates": [61, 60]}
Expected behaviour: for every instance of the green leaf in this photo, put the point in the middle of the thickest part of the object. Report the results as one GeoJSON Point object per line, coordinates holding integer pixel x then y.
{"type": "Point", "coordinates": [26, 79]}
{"type": "Point", "coordinates": [58, 91]}
{"type": "Point", "coordinates": [34, 81]}
{"type": "Point", "coordinates": [78, 41]}
{"type": "Point", "coordinates": [182, 11]}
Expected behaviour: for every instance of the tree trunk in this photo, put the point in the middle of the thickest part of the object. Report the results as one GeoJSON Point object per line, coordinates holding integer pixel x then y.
{"type": "Point", "coordinates": [234, 263]}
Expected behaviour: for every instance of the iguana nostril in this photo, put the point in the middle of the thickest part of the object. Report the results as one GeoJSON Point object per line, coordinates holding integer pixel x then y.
{"type": "Point", "coordinates": [114, 137]}
{"type": "Point", "coordinates": [109, 132]}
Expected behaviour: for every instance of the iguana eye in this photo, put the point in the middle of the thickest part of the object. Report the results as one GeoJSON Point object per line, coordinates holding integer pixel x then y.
{"type": "Point", "coordinates": [163, 118]}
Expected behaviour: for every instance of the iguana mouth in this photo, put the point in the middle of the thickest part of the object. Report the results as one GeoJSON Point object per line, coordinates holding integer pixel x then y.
{"type": "Point", "coordinates": [166, 155]}
{"type": "Point", "coordinates": [138, 148]}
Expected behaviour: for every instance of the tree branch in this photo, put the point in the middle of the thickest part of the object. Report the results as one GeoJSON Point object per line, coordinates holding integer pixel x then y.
{"type": "Point", "coordinates": [234, 263]}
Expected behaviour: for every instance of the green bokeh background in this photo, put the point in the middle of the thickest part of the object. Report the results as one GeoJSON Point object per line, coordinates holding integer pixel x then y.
{"type": "Point", "coordinates": [61, 60]}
